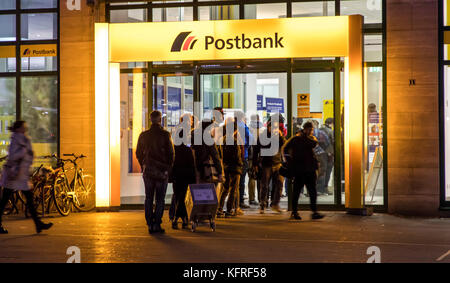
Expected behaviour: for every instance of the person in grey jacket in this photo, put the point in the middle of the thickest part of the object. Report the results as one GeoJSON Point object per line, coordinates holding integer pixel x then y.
{"type": "Point", "coordinates": [16, 174]}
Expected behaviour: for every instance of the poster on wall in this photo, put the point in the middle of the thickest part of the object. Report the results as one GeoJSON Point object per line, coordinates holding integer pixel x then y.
{"type": "Point", "coordinates": [303, 105]}
{"type": "Point", "coordinates": [259, 102]}
{"type": "Point", "coordinates": [374, 134]}
{"type": "Point", "coordinates": [274, 105]}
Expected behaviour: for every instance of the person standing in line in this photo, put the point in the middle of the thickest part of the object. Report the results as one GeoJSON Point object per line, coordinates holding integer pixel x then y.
{"type": "Point", "coordinates": [208, 163]}
{"type": "Point", "coordinates": [16, 174]}
{"type": "Point", "coordinates": [270, 164]}
{"type": "Point", "coordinates": [327, 128]}
{"type": "Point", "coordinates": [231, 149]}
{"type": "Point", "coordinates": [155, 153]}
{"type": "Point", "coordinates": [300, 149]}
{"type": "Point", "coordinates": [322, 156]}
{"type": "Point", "coordinates": [254, 178]}
{"type": "Point", "coordinates": [183, 172]}
{"type": "Point", "coordinates": [246, 137]}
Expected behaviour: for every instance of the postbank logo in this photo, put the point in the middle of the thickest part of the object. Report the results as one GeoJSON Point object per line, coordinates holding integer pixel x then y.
{"type": "Point", "coordinates": [26, 52]}
{"type": "Point", "coordinates": [185, 42]}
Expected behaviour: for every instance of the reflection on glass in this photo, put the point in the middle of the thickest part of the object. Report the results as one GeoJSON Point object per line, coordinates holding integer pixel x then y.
{"type": "Point", "coordinates": [265, 11]}
{"type": "Point", "coordinates": [39, 26]}
{"type": "Point", "coordinates": [7, 27]}
{"type": "Point", "coordinates": [39, 110]}
{"type": "Point", "coordinates": [7, 111]}
{"type": "Point", "coordinates": [312, 101]}
{"type": "Point", "coordinates": [313, 9]}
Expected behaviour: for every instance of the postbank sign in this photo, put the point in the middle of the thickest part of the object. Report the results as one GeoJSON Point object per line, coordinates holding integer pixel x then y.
{"type": "Point", "coordinates": [233, 39]}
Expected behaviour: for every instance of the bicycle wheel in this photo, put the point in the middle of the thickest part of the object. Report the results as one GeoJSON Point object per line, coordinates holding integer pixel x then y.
{"type": "Point", "coordinates": [61, 197]}
{"type": "Point", "coordinates": [85, 193]}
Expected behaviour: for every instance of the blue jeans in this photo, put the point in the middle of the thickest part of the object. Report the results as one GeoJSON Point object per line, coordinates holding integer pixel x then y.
{"type": "Point", "coordinates": [154, 190]}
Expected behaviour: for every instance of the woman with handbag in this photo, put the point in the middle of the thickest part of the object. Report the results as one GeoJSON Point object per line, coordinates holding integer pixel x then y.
{"type": "Point", "coordinates": [16, 174]}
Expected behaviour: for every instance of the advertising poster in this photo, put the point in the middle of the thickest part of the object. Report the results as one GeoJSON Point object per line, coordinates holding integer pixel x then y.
{"type": "Point", "coordinates": [274, 105]}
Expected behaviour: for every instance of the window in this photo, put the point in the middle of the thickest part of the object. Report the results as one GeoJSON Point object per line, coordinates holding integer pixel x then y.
{"type": "Point", "coordinates": [265, 11]}
{"type": "Point", "coordinates": [313, 9]}
{"type": "Point", "coordinates": [373, 48]}
{"type": "Point", "coordinates": [38, 4]}
{"type": "Point", "coordinates": [7, 27]}
{"type": "Point", "coordinates": [219, 13]}
{"type": "Point", "coordinates": [42, 26]}
{"type": "Point", "coordinates": [7, 4]}
{"type": "Point", "coordinates": [173, 14]}
{"type": "Point", "coordinates": [370, 9]}
{"type": "Point", "coordinates": [39, 110]}
{"type": "Point", "coordinates": [7, 111]}
{"type": "Point", "coordinates": [128, 16]}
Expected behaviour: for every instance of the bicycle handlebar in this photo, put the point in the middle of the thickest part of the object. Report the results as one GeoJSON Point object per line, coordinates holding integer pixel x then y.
{"type": "Point", "coordinates": [74, 155]}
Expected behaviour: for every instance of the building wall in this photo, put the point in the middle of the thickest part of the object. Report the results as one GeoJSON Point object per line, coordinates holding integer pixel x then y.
{"type": "Point", "coordinates": [412, 111]}
{"type": "Point", "coordinates": [77, 80]}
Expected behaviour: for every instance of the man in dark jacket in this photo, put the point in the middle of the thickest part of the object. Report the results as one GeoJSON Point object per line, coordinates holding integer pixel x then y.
{"type": "Point", "coordinates": [267, 156]}
{"type": "Point", "coordinates": [299, 152]}
{"type": "Point", "coordinates": [183, 172]}
{"type": "Point", "coordinates": [155, 154]}
{"type": "Point", "coordinates": [232, 152]}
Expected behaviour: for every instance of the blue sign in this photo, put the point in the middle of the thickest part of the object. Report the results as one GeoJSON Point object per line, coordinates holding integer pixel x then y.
{"type": "Point", "coordinates": [274, 105]}
{"type": "Point", "coordinates": [259, 102]}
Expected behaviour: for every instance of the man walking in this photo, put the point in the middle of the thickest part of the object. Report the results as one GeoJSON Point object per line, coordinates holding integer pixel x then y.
{"type": "Point", "coordinates": [155, 154]}
{"type": "Point", "coordinates": [246, 136]}
{"type": "Point", "coordinates": [300, 149]}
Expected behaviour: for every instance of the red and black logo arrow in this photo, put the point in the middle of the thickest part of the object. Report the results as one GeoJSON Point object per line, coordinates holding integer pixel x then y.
{"type": "Point", "coordinates": [181, 41]}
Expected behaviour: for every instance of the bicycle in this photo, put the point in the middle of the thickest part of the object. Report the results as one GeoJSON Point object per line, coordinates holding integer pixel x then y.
{"type": "Point", "coordinates": [82, 185]}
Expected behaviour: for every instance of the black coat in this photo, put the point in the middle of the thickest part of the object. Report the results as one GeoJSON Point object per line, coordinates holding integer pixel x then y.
{"type": "Point", "coordinates": [184, 164]}
{"type": "Point", "coordinates": [155, 148]}
{"type": "Point", "coordinates": [268, 161]}
{"type": "Point", "coordinates": [301, 153]}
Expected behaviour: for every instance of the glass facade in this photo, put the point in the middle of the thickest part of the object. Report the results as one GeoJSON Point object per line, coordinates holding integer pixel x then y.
{"type": "Point", "coordinates": [29, 87]}
{"type": "Point", "coordinates": [444, 102]}
{"type": "Point", "coordinates": [177, 87]}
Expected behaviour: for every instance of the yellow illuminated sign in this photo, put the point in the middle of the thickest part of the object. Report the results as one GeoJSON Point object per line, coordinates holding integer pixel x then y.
{"type": "Point", "coordinates": [232, 39]}
{"type": "Point", "coordinates": [40, 50]}
{"type": "Point", "coordinates": [7, 51]}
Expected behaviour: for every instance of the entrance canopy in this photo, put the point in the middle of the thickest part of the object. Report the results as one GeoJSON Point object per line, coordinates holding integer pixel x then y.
{"type": "Point", "coordinates": [224, 40]}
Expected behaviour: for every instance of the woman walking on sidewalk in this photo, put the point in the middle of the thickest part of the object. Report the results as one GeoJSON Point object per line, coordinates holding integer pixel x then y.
{"type": "Point", "coordinates": [16, 174]}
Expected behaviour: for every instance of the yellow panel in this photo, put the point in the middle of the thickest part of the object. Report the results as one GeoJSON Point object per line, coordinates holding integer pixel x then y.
{"type": "Point", "coordinates": [7, 51]}
{"type": "Point", "coordinates": [222, 40]}
{"type": "Point", "coordinates": [354, 117]}
{"type": "Point", "coordinates": [446, 37]}
{"type": "Point", "coordinates": [39, 50]}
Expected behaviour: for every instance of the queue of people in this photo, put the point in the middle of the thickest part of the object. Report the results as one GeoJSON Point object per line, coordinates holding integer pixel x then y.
{"type": "Point", "coordinates": [223, 151]}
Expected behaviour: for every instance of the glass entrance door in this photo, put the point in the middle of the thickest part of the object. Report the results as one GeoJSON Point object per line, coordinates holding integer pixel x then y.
{"type": "Point", "coordinates": [313, 101]}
